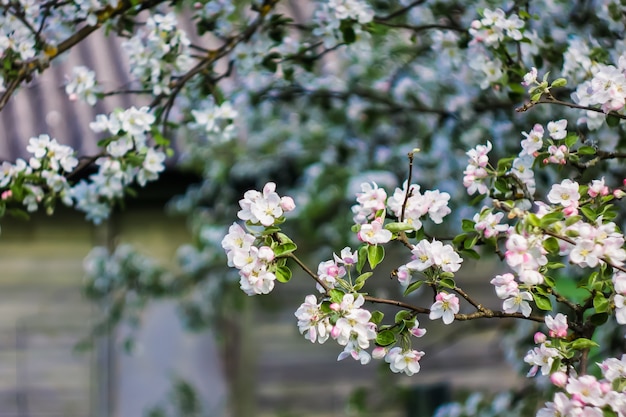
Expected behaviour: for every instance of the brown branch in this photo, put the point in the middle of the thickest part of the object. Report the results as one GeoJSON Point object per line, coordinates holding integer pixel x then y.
{"type": "Point", "coordinates": [213, 56]}
{"type": "Point", "coordinates": [419, 310]}
{"type": "Point", "coordinates": [309, 271]}
{"type": "Point", "coordinates": [490, 314]}
{"type": "Point", "coordinates": [400, 11]}
{"type": "Point", "coordinates": [552, 100]}
{"type": "Point", "coordinates": [39, 63]}
{"type": "Point", "coordinates": [419, 28]}
{"type": "Point", "coordinates": [469, 299]}
{"type": "Point", "coordinates": [572, 242]}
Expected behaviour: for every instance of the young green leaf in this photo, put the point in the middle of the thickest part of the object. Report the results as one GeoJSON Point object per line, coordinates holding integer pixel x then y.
{"type": "Point", "coordinates": [375, 255]}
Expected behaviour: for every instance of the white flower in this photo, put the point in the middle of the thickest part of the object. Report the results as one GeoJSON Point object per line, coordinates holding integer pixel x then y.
{"type": "Point", "coordinates": [445, 307]}
{"type": "Point", "coordinates": [404, 361]}
{"type": "Point", "coordinates": [557, 130]}
{"type": "Point", "coordinates": [263, 208]}
{"type": "Point", "coordinates": [518, 302]}
{"type": "Point", "coordinates": [565, 193]}
{"type": "Point", "coordinates": [374, 233]}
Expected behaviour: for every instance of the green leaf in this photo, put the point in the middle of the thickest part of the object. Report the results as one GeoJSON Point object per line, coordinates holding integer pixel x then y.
{"type": "Point", "coordinates": [447, 282]}
{"type": "Point", "coordinates": [401, 315]}
{"type": "Point", "coordinates": [284, 249]}
{"type": "Point", "coordinates": [589, 213]}
{"type": "Point", "coordinates": [571, 139]}
{"type": "Point", "coordinates": [336, 296]}
{"type": "Point", "coordinates": [559, 82]}
{"type": "Point", "coordinates": [470, 253]}
{"type": "Point", "coordinates": [504, 164]}
{"type": "Point", "coordinates": [543, 302]}
{"type": "Point", "coordinates": [469, 243]}
{"type": "Point", "coordinates": [612, 121]}
{"type": "Point", "coordinates": [375, 255]}
{"type": "Point", "coordinates": [283, 274]}
{"type": "Point", "coordinates": [413, 287]}
{"type": "Point", "coordinates": [468, 225]}
{"type": "Point", "coordinates": [551, 245]}
{"type": "Point", "coordinates": [533, 219]}
{"type": "Point", "coordinates": [572, 219]}
{"type": "Point", "coordinates": [159, 139]}
{"type": "Point", "coordinates": [607, 412]}
{"type": "Point", "coordinates": [360, 281]}
{"type": "Point", "coordinates": [349, 36]}
{"type": "Point", "coordinates": [601, 303]}
{"type": "Point", "coordinates": [283, 238]}
{"type": "Point", "coordinates": [556, 365]}
{"type": "Point", "coordinates": [582, 343]}
{"type": "Point", "coordinates": [270, 230]}
{"type": "Point", "coordinates": [377, 317]}
{"type": "Point", "coordinates": [385, 338]}
{"type": "Point", "coordinates": [549, 281]}
{"type": "Point", "coordinates": [362, 255]}
{"type": "Point", "coordinates": [550, 218]}
{"type": "Point", "coordinates": [397, 227]}
{"type": "Point", "coordinates": [586, 150]}
{"type": "Point", "coordinates": [459, 239]}
{"type": "Point", "coordinates": [598, 319]}
{"type": "Point", "coordinates": [501, 185]}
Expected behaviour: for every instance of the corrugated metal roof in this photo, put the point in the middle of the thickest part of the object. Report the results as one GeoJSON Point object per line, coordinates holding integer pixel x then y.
{"type": "Point", "coordinates": [42, 106]}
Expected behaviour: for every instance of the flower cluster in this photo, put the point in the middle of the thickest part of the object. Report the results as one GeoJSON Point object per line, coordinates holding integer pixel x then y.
{"type": "Point", "coordinates": [254, 264]}
{"type": "Point", "coordinates": [434, 255]}
{"type": "Point", "coordinates": [264, 208]}
{"type": "Point", "coordinates": [332, 271]}
{"type": "Point", "coordinates": [216, 121]}
{"type": "Point", "coordinates": [344, 322]}
{"type": "Point", "coordinates": [487, 223]}
{"type": "Point", "coordinates": [586, 395]}
{"type": "Point", "coordinates": [329, 16]}
{"type": "Point", "coordinates": [129, 136]}
{"type": "Point", "coordinates": [82, 85]}
{"type": "Point", "coordinates": [515, 300]}
{"type": "Point", "coordinates": [432, 203]}
{"type": "Point", "coordinates": [373, 203]}
{"type": "Point", "coordinates": [494, 27]}
{"type": "Point", "coordinates": [44, 173]}
{"type": "Point", "coordinates": [606, 88]}
{"type": "Point", "coordinates": [476, 174]}
{"type": "Point", "coordinates": [159, 52]}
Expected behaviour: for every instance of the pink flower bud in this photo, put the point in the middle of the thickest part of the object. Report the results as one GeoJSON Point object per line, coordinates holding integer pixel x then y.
{"type": "Point", "coordinates": [571, 210]}
{"type": "Point", "coordinates": [624, 182]}
{"type": "Point", "coordinates": [619, 194]}
{"type": "Point", "coordinates": [605, 387]}
{"type": "Point", "coordinates": [540, 337]}
{"type": "Point", "coordinates": [335, 307]}
{"type": "Point", "coordinates": [379, 352]}
{"type": "Point", "coordinates": [559, 379]}
{"type": "Point", "coordinates": [287, 203]}
{"type": "Point", "coordinates": [335, 332]}
{"type": "Point", "coordinates": [266, 253]}
{"type": "Point", "coordinates": [577, 400]}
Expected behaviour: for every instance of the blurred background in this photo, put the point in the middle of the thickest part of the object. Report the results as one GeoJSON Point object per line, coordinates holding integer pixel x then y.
{"type": "Point", "coordinates": [249, 361]}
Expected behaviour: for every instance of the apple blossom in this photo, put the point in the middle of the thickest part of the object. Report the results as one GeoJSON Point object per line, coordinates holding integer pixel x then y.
{"type": "Point", "coordinates": [373, 233]}
{"type": "Point", "coordinates": [401, 361]}
{"type": "Point", "coordinates": [518, 301]}
{"type": "Point", "coordinates": [445, 307]}
{"type": "Point", "coordinates": [557, 325]}
{"type": "Point", "coordinates": [556, 130]}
